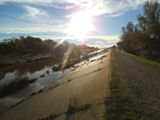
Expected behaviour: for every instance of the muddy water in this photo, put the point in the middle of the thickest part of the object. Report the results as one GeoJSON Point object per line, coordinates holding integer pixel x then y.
{"type": "Point", "coordinates": [40, 70]}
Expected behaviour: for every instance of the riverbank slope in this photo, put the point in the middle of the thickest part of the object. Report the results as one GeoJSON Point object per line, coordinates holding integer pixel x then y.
{"type": "Point", "coordinates": [79, 95]}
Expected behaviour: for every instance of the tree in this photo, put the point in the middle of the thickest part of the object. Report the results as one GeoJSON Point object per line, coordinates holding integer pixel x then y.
{"type": "Point", "coordinates": [126, 37]}
{"type": "Point", "coordinates": [144, 37]}
{"type": "Point", "coordinates": [149, 24]}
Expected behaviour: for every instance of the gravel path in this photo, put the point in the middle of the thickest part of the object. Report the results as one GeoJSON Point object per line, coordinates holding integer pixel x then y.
{"type": "Point", "coordinates": [144, 82]}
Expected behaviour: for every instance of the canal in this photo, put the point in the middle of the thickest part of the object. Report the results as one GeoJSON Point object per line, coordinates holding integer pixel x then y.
{"type": "Point", "coordinates": [40, 71]}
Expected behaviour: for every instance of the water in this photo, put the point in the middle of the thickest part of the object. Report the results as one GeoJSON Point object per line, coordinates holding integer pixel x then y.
{"type": "Point", "coordinates": [40, 70]}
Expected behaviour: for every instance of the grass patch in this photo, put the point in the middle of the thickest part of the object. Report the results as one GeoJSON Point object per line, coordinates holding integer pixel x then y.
{"type": "Point", "coordinates": [74, 107]}
{"type": "Point", "coordinates": [33, 94]}
{"type": "Point", "coordinates": [121, 104]}
{"type": "Point", "coordinates": [42, 75]}
{"type": "Point", "coordinates": [56, 85]}
{"type": "Point", "coordinates": [13, 86]}
{"type": "Point", "coordinates": [17, 103]}
{"type": "Point", "coordinates": [2, 75]}
{"type": "Point", "coordinates": [40, 91]}
{"type": "Point", "coordinates": [143, 60]}
{"type": "Point", "coordinates": [50, 117]}
{"type": "Point", "coordinates": [69, 80]}
{"type": "Point", "coordinates": [33, 80]}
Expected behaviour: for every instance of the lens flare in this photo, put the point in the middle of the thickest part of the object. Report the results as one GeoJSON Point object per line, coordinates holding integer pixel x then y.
{"type": "Point", "coordinates": [81, 23]}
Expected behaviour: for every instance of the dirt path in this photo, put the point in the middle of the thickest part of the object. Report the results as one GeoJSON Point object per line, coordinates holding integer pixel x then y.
{"type": "Point", "coordinates": [79, 95]}
{"type": "Point", "coordinates": [144, 82]}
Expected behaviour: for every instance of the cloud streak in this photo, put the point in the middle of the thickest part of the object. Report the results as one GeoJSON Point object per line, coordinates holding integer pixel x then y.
{"type": "Point", "coordinates": [32, 28]}
{"type": "Point", "coordinates": [115, 15]}
{"type": "Point", "coordinates": [34, 12]}
{"type": "Point", "coordinates": [98, 6]}
{"type": "Point", "coordinates": [94, 41]}
{"type": "Point", "coordinates": [110, 38]}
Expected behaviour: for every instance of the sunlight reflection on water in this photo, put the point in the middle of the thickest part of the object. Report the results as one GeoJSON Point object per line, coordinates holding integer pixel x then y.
{"type": "Point", "coordinates": [42, 72]}
{"type": "Point", "coordinates": [8, 77]}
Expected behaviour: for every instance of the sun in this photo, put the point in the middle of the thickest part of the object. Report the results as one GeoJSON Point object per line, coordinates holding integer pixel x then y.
{"type": "Point", "coordinates": [81, 23]}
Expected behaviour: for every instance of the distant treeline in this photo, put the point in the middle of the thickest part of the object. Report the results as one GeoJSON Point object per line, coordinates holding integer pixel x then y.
{"type": "Point", "coordinates": [143, 38]}
{"type": "Point", "coordinates": [36, 45]}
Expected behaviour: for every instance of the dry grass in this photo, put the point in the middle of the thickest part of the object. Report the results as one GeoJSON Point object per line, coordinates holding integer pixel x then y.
{"type": "Point", "coordinates": [121, 105]}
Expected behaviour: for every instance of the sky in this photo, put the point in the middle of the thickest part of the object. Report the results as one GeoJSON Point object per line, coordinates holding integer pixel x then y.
{"type": "Point", "coordinates": [96, 23]}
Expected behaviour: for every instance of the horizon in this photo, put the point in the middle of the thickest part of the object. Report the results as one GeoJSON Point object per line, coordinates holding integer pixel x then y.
{"type": "Point", "coordinates": [54, 19]}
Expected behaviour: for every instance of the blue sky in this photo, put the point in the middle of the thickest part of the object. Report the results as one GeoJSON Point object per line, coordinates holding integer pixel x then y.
{"type": "Point", "coordinates": [50, 19]}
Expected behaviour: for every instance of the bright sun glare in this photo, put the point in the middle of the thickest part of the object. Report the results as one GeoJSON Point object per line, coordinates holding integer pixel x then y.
{"type": "Point", "coordinates": [81, 23]}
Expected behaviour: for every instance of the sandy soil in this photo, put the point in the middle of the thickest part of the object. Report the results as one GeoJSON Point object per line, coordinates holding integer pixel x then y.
{"type": "Point", "coordinates": [144, 82]}
{"type": "Point", "coordinates": [77, 96]}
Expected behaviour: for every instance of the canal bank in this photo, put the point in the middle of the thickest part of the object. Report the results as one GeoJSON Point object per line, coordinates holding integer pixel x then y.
{"type": "Point", "coordinates": [79, 94]}
{"type": "Point", "coordinates": [38, 73]}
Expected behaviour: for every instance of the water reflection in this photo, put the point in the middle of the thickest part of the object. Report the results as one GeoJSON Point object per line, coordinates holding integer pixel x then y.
{"type": "Point", "coordinates": [40, 70]}
{"type": "Point", "coordinates": [8, 77]}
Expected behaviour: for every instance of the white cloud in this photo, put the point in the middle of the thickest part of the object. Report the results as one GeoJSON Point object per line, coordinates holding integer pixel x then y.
{"type": "Point", "coordinates": [52, 3]}
{"type": "Point", "coordinates": [62, 7]}
{"type": "Point", "coordinates": [34, 15]}
{"type": "Point", "coordinates": [115, 15]}
{"type": "Point", "coordinates": [98, 42]}
{"type": "Point", "coordinates": [31, 28]}
{"type": "Point", "coordinates": [34, 20]}
{"type": "Point", "coordinates": [101, 46]}
{"type": "Point", "coordinates": [98, 6]}
{"type": "Point", "coordinates": [26, 1]}
{"type": "Point", "coordinates": [102, 41]}
{"type": "Point", "coordinates": [34, 12]}
{"type": "Point", "coordinates": [41, 22]}
{"type": "Point", "coordinates": [108, 39]}
{"type": "Point", "coordinates": [116, 6]}
{"type": "Point", "coordinates": [112, 38]}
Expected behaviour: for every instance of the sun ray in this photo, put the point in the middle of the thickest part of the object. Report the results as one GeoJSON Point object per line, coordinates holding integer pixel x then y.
{"type": "Point", "coordinates": [66, 58]}
{"type": "Point", "coordinates": [61, 41]}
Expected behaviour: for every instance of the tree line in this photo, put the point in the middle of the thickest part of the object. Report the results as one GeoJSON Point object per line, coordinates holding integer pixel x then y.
{"type": "Point", "coordinates": [32, 45]}
{"type": "Point", "coordinates": [25, 45]}
{"type": "Point", "coordinates": [143, 38]}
